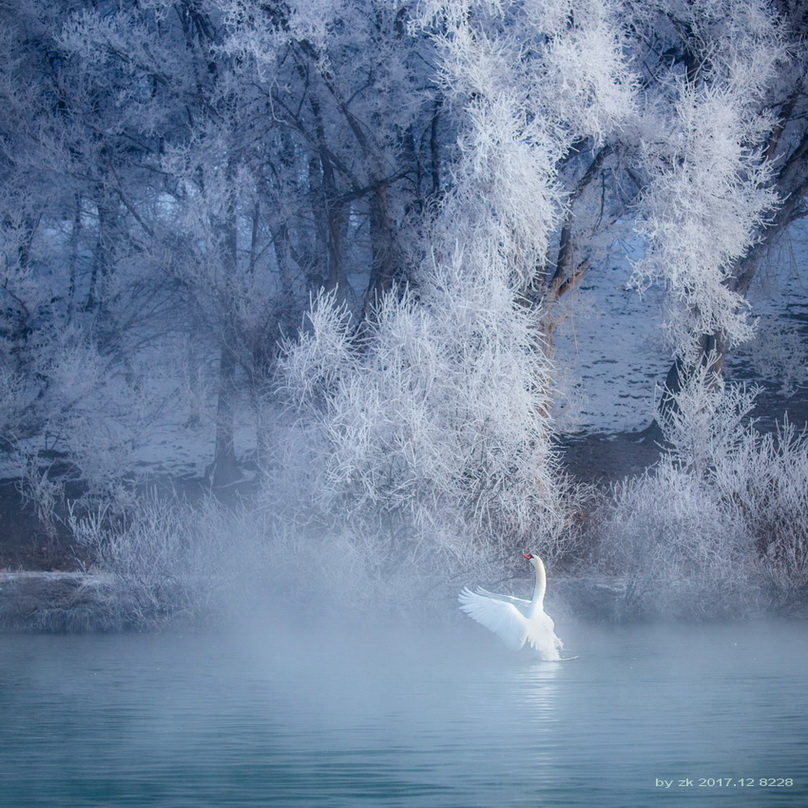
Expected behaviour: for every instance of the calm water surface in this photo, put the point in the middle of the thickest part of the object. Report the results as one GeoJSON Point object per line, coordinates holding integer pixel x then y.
{"type": "Point", "coordinates": [406, 717]}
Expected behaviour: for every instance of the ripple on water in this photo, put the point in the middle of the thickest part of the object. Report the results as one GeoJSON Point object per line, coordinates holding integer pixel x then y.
{"type": "Point", "coordinates": [444, 717]}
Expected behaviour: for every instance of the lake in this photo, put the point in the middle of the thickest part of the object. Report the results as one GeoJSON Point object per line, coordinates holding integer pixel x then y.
{"type": "Point", "coordinates": [282, 715]}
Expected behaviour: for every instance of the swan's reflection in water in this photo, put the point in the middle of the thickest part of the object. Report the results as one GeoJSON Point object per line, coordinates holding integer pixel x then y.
{"type": "Point", "coordinates": [538, 681]}
{"type": "Point", "coordinates": [537, 687]}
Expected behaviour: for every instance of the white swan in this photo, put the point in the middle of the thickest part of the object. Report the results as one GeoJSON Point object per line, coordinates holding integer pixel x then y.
{"type": "Point", "coordinates": [515, 620]}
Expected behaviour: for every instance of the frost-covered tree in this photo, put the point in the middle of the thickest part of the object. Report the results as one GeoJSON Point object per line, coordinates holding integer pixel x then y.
{"type": "Point", "coordinates": [58, 237]}
{"type": "Point", "coordinates": [282, 156]}
{"type": "Point", "coordinates": [676, 127]}
{"type": "Point", "coordinates": [86, 301]}
{"type": "Point", "coordinates": [436, 427]}
{"type": "Point", "coordinates": [350, 90]}
{"type": "Point", "coordinates": [546, 92]}
{"type": "Point", "coordinates": [714, 161]}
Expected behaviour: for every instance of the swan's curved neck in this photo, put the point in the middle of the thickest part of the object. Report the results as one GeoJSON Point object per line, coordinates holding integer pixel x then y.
{"type": "Point", "coordinates": [541, 585]}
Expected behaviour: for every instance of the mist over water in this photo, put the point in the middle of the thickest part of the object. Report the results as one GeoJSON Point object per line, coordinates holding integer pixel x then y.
{"type": "Point", "coordinates": [340, 715]}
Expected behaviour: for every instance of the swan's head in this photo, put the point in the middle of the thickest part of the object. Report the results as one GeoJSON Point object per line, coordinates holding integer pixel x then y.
{"type": "Point", "coordinates": [534, 560]}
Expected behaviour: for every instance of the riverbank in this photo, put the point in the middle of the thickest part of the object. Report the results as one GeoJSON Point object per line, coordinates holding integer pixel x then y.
{"type": "Point", "coordinates": [66, 602]}
{"type": "Point", "coordinates": [78, 602]}
{"type": "Point", "coordinates": [28, 545]}
{"type": "Point", "coordinates": [48, 582]}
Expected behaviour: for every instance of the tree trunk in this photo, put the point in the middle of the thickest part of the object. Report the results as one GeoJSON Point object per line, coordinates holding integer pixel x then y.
{"type": "Point", "coordinates": [711, 354]}
{"type": "Point", "coordinates": [381, 245]}
{"type": "Point", "coordinates": [104, 247]}
{"type": "Point", "coordinates": [225, 470]}
{"type": "Point", "coordinates": [75, 241]}
{"type": "Point", "coordinates": [434, 148]}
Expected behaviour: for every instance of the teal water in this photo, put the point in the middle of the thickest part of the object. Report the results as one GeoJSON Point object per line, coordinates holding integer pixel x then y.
{"type": "Point", "coordinates": [439, 717]}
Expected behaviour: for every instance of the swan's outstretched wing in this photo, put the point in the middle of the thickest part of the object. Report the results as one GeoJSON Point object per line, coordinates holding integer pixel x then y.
{"type": "Point", "coordinates": [499, 616]}
{"type": "Point", "coordinates": [520, 603]}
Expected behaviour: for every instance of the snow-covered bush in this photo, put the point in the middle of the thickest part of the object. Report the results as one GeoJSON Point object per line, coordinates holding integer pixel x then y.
{"type": "Point", "coordinates": [764, 479]}
{"type": "Point", "coordinates": [718, 527]}
{"type": "Point", "coordinates": [681, 553]}
{"type": "Point", "coordinates": [707, 421]}
{"type": "Point", "coordinates": [166, 556]}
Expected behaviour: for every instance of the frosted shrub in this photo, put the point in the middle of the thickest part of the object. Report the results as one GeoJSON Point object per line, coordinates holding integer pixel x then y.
{"type": "Point", "coordinates": [764, 479]}
{"type": "Point", "coordinates": [44, 494]}
{"type": "Point", "coordinates": [426, 450]}
{"type": "Point", "coordinates": [166, 556]}
{"type": "Point", "coordinates": [720, 526]}
{"type": "Point", "coordinates": [761, 480]}
{"type": "Point", "coordinates": [707, 419]}
{"type": "Point", "coordinates": [682, 554]}
{"type": "Point", "coordinates": [312, 366]}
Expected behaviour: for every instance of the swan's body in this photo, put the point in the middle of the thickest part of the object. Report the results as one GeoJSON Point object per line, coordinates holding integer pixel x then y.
{"type": "Point", "coordinates": [516, 621]}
